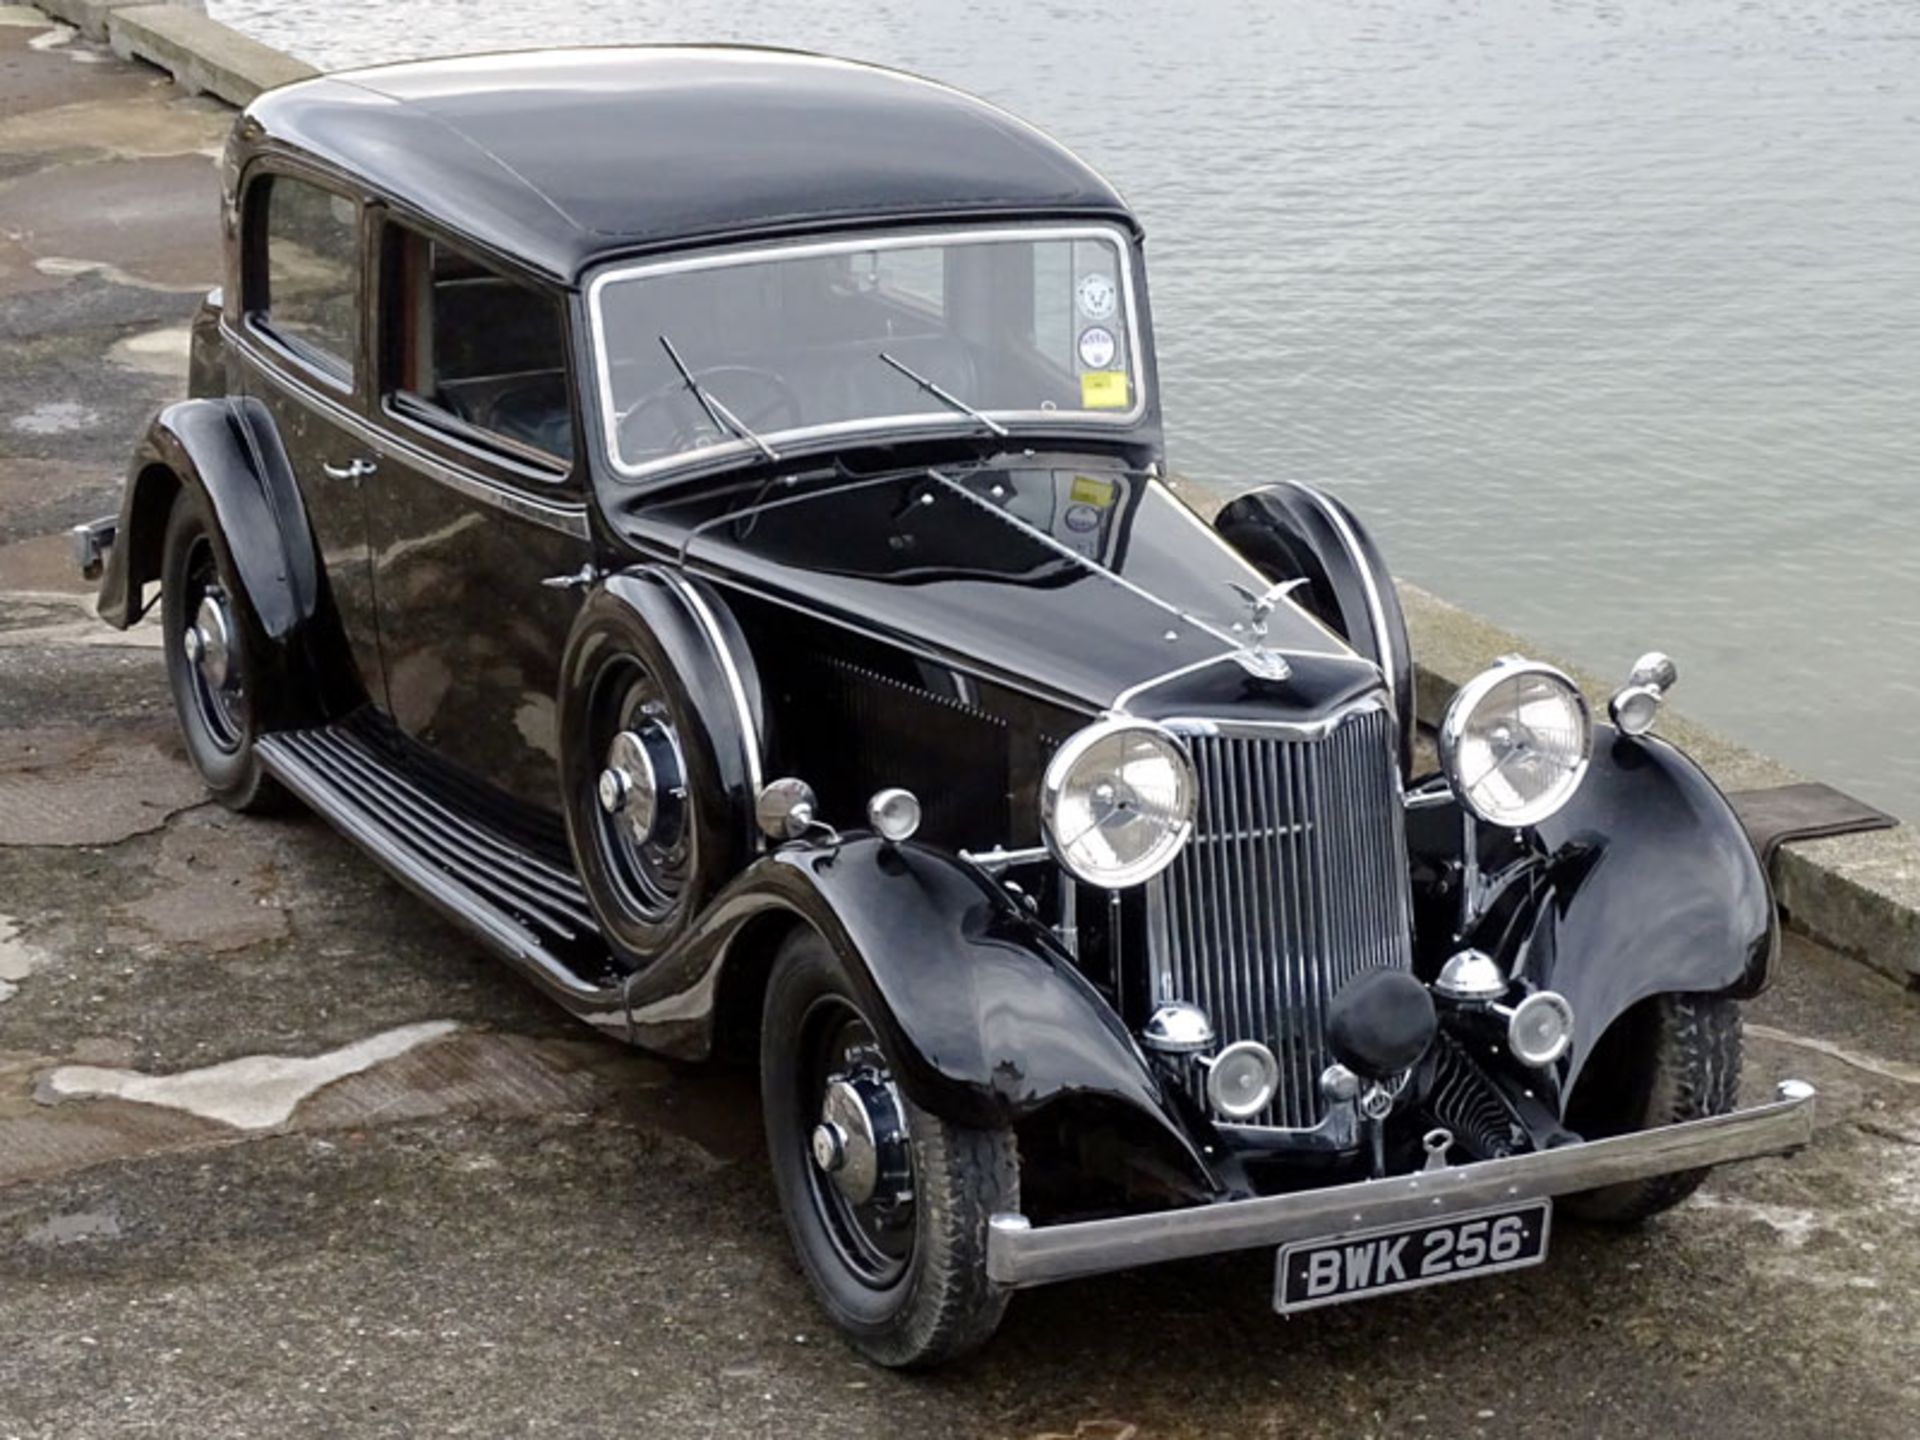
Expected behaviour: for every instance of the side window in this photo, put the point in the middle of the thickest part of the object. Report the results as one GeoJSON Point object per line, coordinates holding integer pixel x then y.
{"type": "Point", "coordinates": [310, 297]}
{"type": "Point", "coordinates": [473, 350]}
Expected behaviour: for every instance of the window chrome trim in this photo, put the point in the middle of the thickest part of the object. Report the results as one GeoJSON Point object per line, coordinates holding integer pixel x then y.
{"type": "Point", "coordinates": [1096, 420]}
{"type": "Point", "coordinates": [566, 518]}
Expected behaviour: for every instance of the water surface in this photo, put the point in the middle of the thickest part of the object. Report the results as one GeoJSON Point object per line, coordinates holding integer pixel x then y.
{"type": "Point", "coordinates": [1605, 316]}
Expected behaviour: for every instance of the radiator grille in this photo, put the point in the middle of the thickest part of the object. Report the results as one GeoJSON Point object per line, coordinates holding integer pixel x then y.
{"type": "Point", "coordinates": [1295, 882]}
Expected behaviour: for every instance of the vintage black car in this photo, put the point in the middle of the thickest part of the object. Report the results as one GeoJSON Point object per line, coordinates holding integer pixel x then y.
{"type": "Point", "coordinates": [700, 518]}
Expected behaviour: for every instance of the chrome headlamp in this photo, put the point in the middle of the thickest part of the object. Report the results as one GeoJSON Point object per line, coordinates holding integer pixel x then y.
{"type": "Point", "coordinates": [1515, 741]}
{"type": "Point", "coordinates": [1117, 802]}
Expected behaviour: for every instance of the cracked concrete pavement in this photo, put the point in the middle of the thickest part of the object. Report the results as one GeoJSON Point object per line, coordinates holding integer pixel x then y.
{"type": "Point", "coordinates": [282, 1153]}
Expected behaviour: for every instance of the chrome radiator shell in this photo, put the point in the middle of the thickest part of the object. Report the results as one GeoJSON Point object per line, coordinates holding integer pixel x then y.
{"type": "Point", "coordinates": [1295, 882]}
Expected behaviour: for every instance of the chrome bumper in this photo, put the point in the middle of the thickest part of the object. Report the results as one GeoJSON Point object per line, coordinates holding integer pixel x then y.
{"type": "Point", "coordinates": [91, 542]}
{"type": "Point", "coordinates": [1018, 1255]}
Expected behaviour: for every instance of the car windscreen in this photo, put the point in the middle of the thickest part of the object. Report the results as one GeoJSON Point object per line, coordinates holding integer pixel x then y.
{"type": "Point", "coordinates": [1011, 325]}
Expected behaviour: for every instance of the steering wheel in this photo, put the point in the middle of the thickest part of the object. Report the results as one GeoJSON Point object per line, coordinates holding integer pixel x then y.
{"type": "Point", "coordinates": [670, 419]}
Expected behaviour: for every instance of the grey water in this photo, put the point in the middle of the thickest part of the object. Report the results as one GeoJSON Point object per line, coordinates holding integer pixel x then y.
{"type": "Point", "coordinates": [1605, 316]}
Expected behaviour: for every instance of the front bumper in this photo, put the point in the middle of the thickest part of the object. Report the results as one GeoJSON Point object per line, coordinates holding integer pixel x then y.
{"type": "Point", "coordinates": [1019, 1255]}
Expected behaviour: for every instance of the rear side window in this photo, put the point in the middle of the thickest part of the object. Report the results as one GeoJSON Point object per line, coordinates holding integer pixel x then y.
{"type": "Point", "coordinates": [475, 351]}
{"type": "Point", "coordinates": [312, 254]}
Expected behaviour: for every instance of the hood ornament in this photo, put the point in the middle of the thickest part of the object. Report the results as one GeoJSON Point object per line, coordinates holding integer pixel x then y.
{"type": "Point", "coordinates": [1254, 657]}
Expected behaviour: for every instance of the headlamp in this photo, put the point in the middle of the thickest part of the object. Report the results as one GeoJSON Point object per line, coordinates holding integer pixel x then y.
{"type": "Point", "coordinates": [1117, 802]}
{"type": "Point", "coordinates": [1515, 741]}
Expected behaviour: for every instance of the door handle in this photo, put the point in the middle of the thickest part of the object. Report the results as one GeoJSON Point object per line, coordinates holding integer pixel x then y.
{"type": "Point", "coordinates": [357, 468]}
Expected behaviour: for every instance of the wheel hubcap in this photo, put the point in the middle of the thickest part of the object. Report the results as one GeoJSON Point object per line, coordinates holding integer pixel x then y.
{"type": "Point", "coordinates": [638, 801]}
{"type": "Point", "coordinates": [211, 647]}
{"type": "Point", "coordinates": [859, 1150]}
{"type": "Point", "coordinates": [209, 641]}
{"type": "Point", "coordinates": [861, 1141]}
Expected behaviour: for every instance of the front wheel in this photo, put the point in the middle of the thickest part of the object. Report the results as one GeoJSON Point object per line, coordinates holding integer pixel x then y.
{"type": "Point", "coordinates": [1669, 1059]}
{"type": "Point", "coordinates": [887, 1204]}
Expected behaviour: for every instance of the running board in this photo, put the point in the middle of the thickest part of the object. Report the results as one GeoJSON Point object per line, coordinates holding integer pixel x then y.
{"type": "Point", "coordinates": [524, 904]}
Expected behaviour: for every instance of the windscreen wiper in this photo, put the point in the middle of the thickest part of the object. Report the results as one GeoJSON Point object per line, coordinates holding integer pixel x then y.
{"type": "Point", "coordinates": [722, 418]}
{"type": "Point", "coordinates": [947, 398]}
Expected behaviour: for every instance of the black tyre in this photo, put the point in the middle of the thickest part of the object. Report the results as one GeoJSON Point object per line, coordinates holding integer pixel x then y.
{"type": "Point", "coordinates": [899, 1265]}
{"type": "Point", "coordinates": [212, 641]}
{"type": "Point", "coordinates": [1669, 1059]}
{"type": "Point", "coordinates": [651, 827]}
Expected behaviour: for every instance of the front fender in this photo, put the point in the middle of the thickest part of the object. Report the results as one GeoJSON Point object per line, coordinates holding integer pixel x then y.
{"type": "Point", "coordinates": [1651, 887]}
{"type": "Point", "coordinates": [987, 1020]}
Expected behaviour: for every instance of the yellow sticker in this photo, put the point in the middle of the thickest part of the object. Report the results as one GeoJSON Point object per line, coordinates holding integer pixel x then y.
{"type": "Point", "coordinates": [1103, 390]}
{"type": "Point", "coordinates": [1086, 490]}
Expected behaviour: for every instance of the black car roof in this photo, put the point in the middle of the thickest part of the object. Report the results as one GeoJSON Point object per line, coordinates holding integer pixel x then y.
{"type": "Point", "coordinates": [562, 156]}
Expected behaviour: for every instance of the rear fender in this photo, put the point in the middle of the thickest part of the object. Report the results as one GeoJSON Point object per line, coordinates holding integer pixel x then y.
{"type": "Point", "coordinates": [987, 1021]}
{"type": "Point", "coordinates": [229, 449]}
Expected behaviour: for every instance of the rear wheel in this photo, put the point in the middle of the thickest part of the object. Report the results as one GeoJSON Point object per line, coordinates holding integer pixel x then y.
{"type": "Point", "coordinates": [211, 665]}
{"type": "Point", "coordinates": [1671, 1058]}
{"type": "Point", "coordinates": [887, 1204]}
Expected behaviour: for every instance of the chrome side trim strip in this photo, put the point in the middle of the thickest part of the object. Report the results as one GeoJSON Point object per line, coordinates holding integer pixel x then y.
{"type": "Point", "coordinates": [568, 518]}
{"type": "Point", "coordinates": [1021, 1255]}
{"type": "Point", "coordinates": [736, 687]}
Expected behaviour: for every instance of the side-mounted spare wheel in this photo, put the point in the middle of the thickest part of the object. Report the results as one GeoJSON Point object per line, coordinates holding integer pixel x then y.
{"type": "Point", "coordinates": [213, 641]}
{"type": "Point", "coordinates": [1291, 531]}
{"type": "Point", "coordinates": [887, 1204]}
{"type": "Point", "coordinates": [651, 761]}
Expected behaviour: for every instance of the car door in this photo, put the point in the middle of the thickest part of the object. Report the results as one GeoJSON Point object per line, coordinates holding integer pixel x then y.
{"type": "Point", "coordinates": [477, 514]}
{"type": "Point", "coordinates": [301, 354]}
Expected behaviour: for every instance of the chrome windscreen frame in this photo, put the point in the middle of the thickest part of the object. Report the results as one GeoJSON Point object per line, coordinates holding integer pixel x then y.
{"type": "Point", "coordinates": [808, 437]}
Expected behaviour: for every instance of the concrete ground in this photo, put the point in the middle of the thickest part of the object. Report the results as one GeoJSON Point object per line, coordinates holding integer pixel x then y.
{"type": "Point", "coordinates": [446, 1211]}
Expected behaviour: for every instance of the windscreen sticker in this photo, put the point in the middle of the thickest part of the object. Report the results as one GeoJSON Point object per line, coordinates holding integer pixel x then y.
{"type": "Point", "coordinates": [1103, 390]}
{"type": "Point", "coordinates": [1082, 519]}
{"type": "Point", "coordinates": [1096, 296]}
{"type": "Point", "coordinates": [1097, 347]}
{"type": "Point", "coordinates": [1088, 490]}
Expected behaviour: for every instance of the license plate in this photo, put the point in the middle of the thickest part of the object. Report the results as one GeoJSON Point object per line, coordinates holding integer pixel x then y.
{"type": "Point", "coordinates": [1312, 1273]}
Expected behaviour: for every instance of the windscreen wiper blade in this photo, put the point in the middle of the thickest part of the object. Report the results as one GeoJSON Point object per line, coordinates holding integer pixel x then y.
{"type": "Point", "coordinates": [722, 418]}
{"type": "Point", "coordinates": [947, 398]}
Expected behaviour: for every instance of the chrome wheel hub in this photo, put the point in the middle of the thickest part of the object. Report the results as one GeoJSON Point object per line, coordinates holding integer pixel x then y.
{"type": "Point", "coordinates": [641, 779]}
{"type": "Point", "coordinates": [861, 1140]}
{"type": "Point", "coordinates": [209, 641]}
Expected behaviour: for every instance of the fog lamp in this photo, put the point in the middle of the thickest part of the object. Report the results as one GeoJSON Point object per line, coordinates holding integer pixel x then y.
{"type": "Point", "coordinates": [894, 814]}
{"type": "Point", "coordinates": [1540, 1028]}
{"type": "Point", "coordinates": [1242, 1079]}
{"type": "Point", "coordinates": [1636, 705]}
{"type": "Point", "coordinates": [1634, 708]}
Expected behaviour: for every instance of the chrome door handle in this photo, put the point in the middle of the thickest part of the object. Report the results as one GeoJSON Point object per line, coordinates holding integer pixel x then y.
{"type": "Point", "coordinates": [357, 468]}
